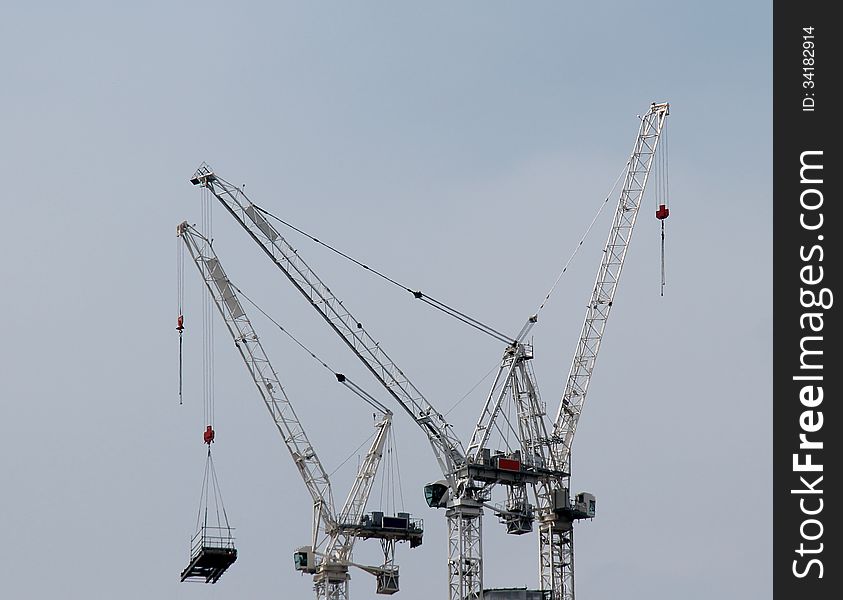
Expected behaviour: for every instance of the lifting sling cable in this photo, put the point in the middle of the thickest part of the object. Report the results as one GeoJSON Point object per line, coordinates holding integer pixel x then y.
{"type": "Point", "coordinates": [441, 306]}
{"type": "Point", "coordinates": [211, 495]}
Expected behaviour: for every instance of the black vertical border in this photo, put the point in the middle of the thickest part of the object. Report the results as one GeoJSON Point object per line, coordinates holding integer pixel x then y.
{"type": "Point", "coordinates": [796, 130]}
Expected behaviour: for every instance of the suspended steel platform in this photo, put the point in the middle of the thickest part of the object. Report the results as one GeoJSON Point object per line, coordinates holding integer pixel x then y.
{"type": "Point", "coordinates": [212, 551]}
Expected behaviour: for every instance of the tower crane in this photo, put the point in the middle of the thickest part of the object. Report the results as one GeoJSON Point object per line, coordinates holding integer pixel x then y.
{"type": "Point", "coordinates": [464, 487]}
{"type": "Point", "coordinates": [329, 562]}
{"type": "Point", "coordinates": [556, 512]}
{"type": "Point", "coordinates": [545, 457]}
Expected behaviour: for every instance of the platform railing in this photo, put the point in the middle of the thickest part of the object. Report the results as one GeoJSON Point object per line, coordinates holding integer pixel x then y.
{"type": "Point", "coordinates": [211, 537]}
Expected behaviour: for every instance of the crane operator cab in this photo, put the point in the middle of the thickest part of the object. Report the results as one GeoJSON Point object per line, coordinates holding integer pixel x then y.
{"type": "Point", "coordinates": [436, 494]}
{"type": "Point", "coordinates": [305, 560]}
{"type": "Point", "coordinates": [585, 506]}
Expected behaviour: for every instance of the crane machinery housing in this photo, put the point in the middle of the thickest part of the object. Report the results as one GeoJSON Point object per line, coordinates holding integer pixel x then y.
{"type": "Point", "coordinates": [541, 462]}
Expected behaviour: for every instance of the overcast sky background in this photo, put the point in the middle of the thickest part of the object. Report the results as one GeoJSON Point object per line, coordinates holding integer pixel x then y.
{"type": "Point", "coordinates": [462, 148]}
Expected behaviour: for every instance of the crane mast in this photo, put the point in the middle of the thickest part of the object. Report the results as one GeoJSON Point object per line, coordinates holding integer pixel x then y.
{"type": "Point", "coordinates": [338, 529]}
{"type": "Point", "coordinates": [556, 513]}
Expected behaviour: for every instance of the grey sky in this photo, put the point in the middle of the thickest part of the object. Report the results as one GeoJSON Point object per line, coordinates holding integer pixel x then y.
{"type": "Point", "coordinates": [462, 148]}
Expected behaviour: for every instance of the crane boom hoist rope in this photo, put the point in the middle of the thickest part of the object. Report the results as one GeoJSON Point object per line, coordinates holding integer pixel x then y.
{"type": "Point", "coordinates": [417, 294]}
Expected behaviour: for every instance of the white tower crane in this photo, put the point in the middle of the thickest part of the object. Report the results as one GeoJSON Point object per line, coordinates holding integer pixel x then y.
{"type": "Point", "coordinates": [329, 562]}
{"type": "Point", "coordinates": [458, 491]}
{"type": "Point", "coordinates": [556, 510]}
{"type": "Point", "coordinates": [543, 460]}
